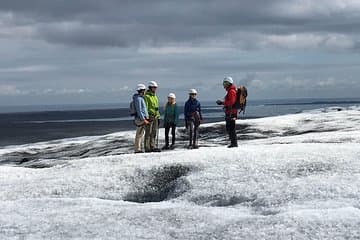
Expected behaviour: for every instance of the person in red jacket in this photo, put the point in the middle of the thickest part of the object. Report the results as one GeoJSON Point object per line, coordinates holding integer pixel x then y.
{"type": "Point", "coordinates": [230, 111]}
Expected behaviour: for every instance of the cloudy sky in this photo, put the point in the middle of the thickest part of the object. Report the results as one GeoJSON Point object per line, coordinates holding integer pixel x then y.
{"type": "Point", "coordinates": [90, 51]}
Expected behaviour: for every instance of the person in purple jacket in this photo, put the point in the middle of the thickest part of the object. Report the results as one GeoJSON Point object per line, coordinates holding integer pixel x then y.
{"type": "Point", "coordinates": [193, 118]}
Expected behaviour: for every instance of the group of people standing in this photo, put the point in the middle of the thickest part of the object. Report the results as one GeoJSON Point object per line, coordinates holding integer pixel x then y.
{"type": "Point", "coordinates": [147, 117]}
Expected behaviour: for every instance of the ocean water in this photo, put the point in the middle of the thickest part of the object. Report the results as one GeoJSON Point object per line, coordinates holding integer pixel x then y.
{"type": "Point", "coordinates": [294, 176]}
{"type": "Point", "coordinates": [29, 124]}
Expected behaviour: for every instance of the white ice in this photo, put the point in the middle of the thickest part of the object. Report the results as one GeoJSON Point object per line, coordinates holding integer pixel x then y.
{"type": "Point", "coordinates": [293, 177]}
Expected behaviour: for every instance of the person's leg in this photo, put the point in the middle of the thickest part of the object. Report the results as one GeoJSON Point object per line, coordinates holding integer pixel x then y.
{"type": "Point", "coordinates": [173, 134]}
{"type": "Point", "coordinates": [228, 126]}
{"type": "Point", "coordinates": [190, 123]}
{"type": "Point", "coordinates": [196, 127]}
{"type": "Point", "coordinates": [153, 134]}
{"type": "Point", "coordinates": [138, 137]}
{"type": "Point", "coordinates": [137, 146]}
{"type": "Point", "coordinates": [148, 128]}
{"type": "Point", "coordinates": [232, 133]}
{"type": "Point", "coordinates": [167, 130]}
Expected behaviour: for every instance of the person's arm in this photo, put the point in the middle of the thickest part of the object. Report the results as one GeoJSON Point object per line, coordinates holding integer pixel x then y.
{"type": "Point", "coordinates": [219, 102]}
{"type": "Point", "coordinates": [139, 113]}
{"type": "Point", "coordinates": [145, 109]}
{"type": "Point", "coordinates": [186, 110]}
{"type": "Point", "coordinates": [176, 120]}
{"type": "Point", "coordinates": [166, 113]}
{"type": "Point", "coordinates": [200, 115]}
{"type": "Point", "coordinates": [157, 109]}
{"type": "Point", "coordinates": [147, 103]}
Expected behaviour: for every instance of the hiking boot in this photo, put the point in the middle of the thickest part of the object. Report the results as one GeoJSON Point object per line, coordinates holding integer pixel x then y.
{"type": "Point", "coordinates": [190, 147]}
{"type": "Point", "coordinates": [232, 145]}
{"type": "Point", "coordinates": [155, 150]}
{"type": "Point", "coordinates": [172, 146]}
{"type": "Point", "coordinates": [139, 151]}
{"type": "Point", "coordinates": [195, 147]}
{"type": "Point", "coordinates": [165, 147]}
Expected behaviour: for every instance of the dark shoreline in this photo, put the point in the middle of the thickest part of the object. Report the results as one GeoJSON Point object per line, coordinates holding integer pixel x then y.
{"type": "Point", "coordinates": [312, 103]}
{"type": "Point", "coordinates": [19, 128]}
{"type": "Point", "coordinates": [32, 127]}
{"type": "Point", "coordinates": [18, 133]}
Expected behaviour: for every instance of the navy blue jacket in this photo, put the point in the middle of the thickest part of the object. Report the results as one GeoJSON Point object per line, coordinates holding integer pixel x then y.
{"type": "Point", "coordinates": [192, 106]}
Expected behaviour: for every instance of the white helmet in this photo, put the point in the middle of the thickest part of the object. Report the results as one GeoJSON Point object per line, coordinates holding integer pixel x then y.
{"type": "Point", "coordinates": [192, 91]}
{"type": "Point", "coordinates": [229, 80]}
{"type": "Point", "coordinates": [140, 87]}
{"type": "Point", "coordinates": [172, 95]}
{"type": "Point", "coordinates": [153, 84]}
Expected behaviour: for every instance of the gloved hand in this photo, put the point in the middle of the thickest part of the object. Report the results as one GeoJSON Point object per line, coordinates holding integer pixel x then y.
{"type": "Point", "coordinates": [219, 102]}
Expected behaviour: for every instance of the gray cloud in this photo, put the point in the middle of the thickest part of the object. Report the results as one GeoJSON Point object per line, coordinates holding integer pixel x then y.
{"type": "Point", "coordinates": [132, 23]}
{"type": "Point", "coordinates": [97, 51]}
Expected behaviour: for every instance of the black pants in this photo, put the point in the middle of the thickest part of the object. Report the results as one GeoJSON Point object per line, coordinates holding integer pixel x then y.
{"type": "Point", "coordinates": [167, 130]}
{"type": "Point", "coordinates": [193, 127]}
{"type": "Point", "coordinates": [231, 130]}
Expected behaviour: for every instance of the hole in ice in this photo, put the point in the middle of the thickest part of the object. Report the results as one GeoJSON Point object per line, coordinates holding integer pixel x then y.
{"type": "Point", "coordinates": [159, 184]}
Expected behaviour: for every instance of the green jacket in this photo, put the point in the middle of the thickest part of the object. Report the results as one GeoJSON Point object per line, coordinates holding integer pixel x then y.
{"type": "Point", "coordinates": [171, 114]}
{"type": "Point", "coordinates": [152, 104]}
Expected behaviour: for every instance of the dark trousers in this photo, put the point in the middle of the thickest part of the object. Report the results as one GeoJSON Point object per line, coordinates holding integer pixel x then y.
{"type": "Point", "coordinates": [167, 130]}
{"type": "Point", "coordinates": [231, 130]}
{"type": "Point", "coordinates": [193, 127]}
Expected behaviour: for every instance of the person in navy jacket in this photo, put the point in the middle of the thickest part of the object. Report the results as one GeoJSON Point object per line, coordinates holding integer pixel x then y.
{"type": "Point", "coordinates": [193, 118]}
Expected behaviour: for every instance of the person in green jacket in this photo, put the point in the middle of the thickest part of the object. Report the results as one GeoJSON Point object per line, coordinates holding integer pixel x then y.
{"type": "Point", "coordinates": [151, 130]}
{"type": "Point", "coordinates": [171, 118]}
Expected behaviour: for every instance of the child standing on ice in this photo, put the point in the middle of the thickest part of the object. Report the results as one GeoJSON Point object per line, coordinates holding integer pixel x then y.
{"type": "Point", "coordinates": [193, 117]}
{"type": "Point", "coordinates": [171, 118]}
